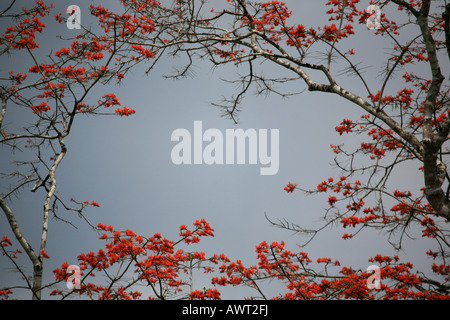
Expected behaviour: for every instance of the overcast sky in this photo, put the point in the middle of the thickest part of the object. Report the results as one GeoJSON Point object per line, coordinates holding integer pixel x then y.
{"type": "Point", "coordinates": [125, 163]}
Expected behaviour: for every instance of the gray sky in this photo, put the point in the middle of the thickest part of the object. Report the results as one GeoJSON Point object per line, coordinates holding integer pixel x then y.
{"type": "Point", "coordinates": [125, 165]}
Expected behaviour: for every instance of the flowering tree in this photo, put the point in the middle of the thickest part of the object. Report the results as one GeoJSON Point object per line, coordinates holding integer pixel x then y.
{"type": "Point", "coordinates": [408, 124]}
{"type": "Point", "coordinates": [54, 94]}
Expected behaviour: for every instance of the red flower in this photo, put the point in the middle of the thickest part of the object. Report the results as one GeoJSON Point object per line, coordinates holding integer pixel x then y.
{"type": "Point", "coordinates": [95, 204]}
{"type": "Point", "coordinates": [44, 254]}
{"type": "Point", "coordinates": [110, 100]}
{"type": "Point", "coordinates": [5, 242]}
{"type": "Point", "coordinates": [346, 126]}
{"type": "Point", "coordinates": [125, 111]}
{"type": "Point", "coordinates": [332, 200]}
{"type": "Point", "coordinates": [290, 187]}
{"type": "Point", "coordinates": [40, 108]}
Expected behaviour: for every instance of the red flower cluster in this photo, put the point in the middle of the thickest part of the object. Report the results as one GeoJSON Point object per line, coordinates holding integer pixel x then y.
{"type": "Point", "coordinates": [212, 294]}
{"type": "Point", "coordinates": [353, 220]}
{"type": "Point", "coordinates": [95, 204]}
{"type": "Point", "coordinates": [125, 111]}
{"type": "Point", "coordinates": [4, 294]}
{"type": "Point", "coordinates": [290, 187]}
{"type": "Point", "coordinates": [18, 78]}
{"type": "Point", "coordinates": [275, 262]}
{"type": "Point", "coordinates": [5, 242]}
{"type": "Point", "coordinates": [157, 264]}
{"type": "Point", "coordinates": [45, 69]}
{"type": "Point", "coordinates": [346, 126]}
{"type": "Point", "coordinates": [332, 200]}
{"type": "Point", "coordinates": [110, 99]}
{"type": "Point", "coordinates": [40, 108]}
{"type": "Point", "coordinates": [23, 35]}
{"type": "Point", "coordinates": [155, 261]}
{"type": "Point", "coordinates": [147, 53]}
